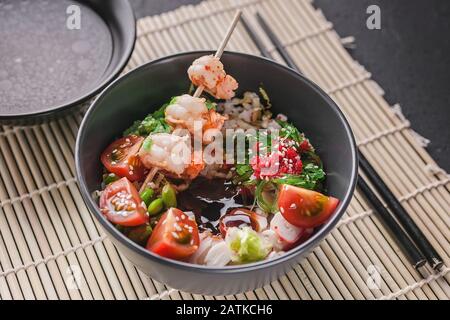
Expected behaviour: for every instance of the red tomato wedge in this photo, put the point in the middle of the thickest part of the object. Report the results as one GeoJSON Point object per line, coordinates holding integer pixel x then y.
{"type": "Point", "coordinates": [175, 236]}
{"type": "Point", "coordinates": [121, 157]}
{"type": "Point", "coordinates": [305, 208]}
{"type": "Point", "coordinates": [121, 204]}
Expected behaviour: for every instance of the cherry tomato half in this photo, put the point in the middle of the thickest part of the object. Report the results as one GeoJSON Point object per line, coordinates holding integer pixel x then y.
{"type": "Point", "coordinates": [175, 236]}
{"type": "Point", "coordinates": [121, 157]}
{"type": "Point", "coordinates": [305, 208]}
{"type": "Point", "coordinates": [121, 204]}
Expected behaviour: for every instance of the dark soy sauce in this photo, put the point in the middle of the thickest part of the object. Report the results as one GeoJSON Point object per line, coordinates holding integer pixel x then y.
{"type": "Point", "coordinates": [209, 200]}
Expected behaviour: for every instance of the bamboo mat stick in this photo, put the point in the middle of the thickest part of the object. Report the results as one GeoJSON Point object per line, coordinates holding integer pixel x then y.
{"type": "Point", "coordinates": [50, 200]}
{"type": "Point", "coordinates": [14, 236]}
{"type": "Point", "coordinates": [45, 139]}
{"type": "Point", "coordinates": [42, 204]}
{"type": "Point", "coordinates": [67, 196]}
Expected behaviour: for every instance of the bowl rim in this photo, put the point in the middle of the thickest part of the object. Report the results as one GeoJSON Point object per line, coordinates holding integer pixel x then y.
{"type": "Point", "coordinates": [287, 256]}
{"type": "Point", "coordinates": [129, 45]}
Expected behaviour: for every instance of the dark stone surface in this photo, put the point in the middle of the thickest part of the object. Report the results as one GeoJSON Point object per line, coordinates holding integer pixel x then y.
{"type": "Point", "coordinates": [409, 57]}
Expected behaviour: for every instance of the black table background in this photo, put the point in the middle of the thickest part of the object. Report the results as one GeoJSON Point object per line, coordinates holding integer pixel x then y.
{"type": "Point", "coordinates": [409, 57]}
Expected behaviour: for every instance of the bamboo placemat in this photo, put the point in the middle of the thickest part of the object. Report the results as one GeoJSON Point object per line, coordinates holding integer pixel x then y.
{"type": "Point", "coordinates": [51, 247]}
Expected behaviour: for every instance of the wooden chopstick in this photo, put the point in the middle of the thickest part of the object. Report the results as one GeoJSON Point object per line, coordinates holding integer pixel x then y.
{"type": "Point", "coordinates": [416, 258]}
{"type": "Point", "coordinates": [222, 45]}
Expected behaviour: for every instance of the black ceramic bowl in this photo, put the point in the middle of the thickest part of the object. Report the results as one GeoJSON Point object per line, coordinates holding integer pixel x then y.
{"type": "Point", "coordinates": [49, 66]}
{"type": "Point", "coordinates": [143, 90]}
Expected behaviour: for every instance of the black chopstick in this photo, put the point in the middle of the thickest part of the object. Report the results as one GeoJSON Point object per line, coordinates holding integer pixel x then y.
{"type": "Point", "coordinates": [402, 216]}
{"type": "Point", "coordinates": [409, 248]}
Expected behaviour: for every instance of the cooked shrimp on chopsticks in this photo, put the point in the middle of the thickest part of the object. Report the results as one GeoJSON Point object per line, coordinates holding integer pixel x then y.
{"type": "Point", "coordinates": [190, 113]}
{"type": "Point", "coordinates": [208, 71]}
{"type": "Point", "coordinates": [170, 153]}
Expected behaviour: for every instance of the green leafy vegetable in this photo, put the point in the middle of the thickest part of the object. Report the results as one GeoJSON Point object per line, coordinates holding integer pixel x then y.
{"type": "Point", "coordinates": [153, 123]}
{"type": "Point", "coordinates": [289, 131]}
{"type": "Point", "coordinates": [308, 179]}
{"type": "Point", "coordinates": [246, 245]}
{"type": "Point", "coordinates": [265, 96]}
{"type": "Point", "coordinates": [244, 173]}
{"type": "Point", "coordinates": [109, 178]}
{"type": "Point", "coordinates": [210, 105]}
{"type": "Point", "coordinates": [147, 144]}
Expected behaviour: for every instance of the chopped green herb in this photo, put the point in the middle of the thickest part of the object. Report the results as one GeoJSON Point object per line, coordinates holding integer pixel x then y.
{"type": "Point", "coordinates": [109, 178]}
{"type": "Point", "coordinates": [153, 123]}
{"type": "Point", "coordinates": [308, 179]}
{"type": "Point", "coordinates": [289, 131]}
{"type": "Point", "coordinates": [210, 105]}
{"type": "Point", "coordinates": [147, 144]}
{"type": "Point", "coordinates": [265, 96]}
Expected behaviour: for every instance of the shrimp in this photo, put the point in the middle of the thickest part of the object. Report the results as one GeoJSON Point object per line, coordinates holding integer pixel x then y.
{"type": "Point", "coordinates": [187, 110]}
{"type": "Point", "coordinates": [172, 154]}
{"type": "Point", "coordinates": [208, 71]}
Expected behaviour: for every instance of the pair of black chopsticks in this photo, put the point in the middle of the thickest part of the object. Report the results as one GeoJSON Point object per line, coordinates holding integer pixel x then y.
{"type": "Point", "coordinates": [409, 237]}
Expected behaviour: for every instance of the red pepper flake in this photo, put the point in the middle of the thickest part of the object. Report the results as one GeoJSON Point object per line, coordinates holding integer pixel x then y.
{"type": "Point", "coordinates": [285, 160]}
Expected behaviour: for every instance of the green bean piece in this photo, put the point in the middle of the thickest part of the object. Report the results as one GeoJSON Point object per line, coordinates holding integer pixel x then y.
{"type": "Point", "coordinates": [155, 207]}
{"type": "Point", "coordinates": [109, 178]}
{"type": "Point", "coordinates": [169, 196]}
{"type": "Point", "coordinates": [147, 196]}
{"type": "Point", "coordinates": [140, 234]}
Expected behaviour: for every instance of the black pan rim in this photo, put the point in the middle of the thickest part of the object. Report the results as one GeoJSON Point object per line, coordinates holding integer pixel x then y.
{"type": "Point", "coordinates": [129, 48]}
{"type": "Point", "coordinates": [288, 256]}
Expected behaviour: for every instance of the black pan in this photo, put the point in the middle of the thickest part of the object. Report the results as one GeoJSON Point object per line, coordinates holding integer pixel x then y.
{"type": "Point", "coordinates": [55, 55]}
{"type": "Point", "coordinates": [146, 88]}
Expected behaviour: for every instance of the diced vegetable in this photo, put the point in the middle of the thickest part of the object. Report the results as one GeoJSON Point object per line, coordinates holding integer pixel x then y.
{"type": "Point", "coordinates": [147, 195]}
{"type": "Point", "coordinates": [109, 178]}
{"type": "Point", "coordinates": [140, 234]}
{"type": "Point", "coordinates": [169, 196]}
{"type": "Point", "coordinates": [155, 207]}
{"type": "Point", "coordinates": [246, 245]}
